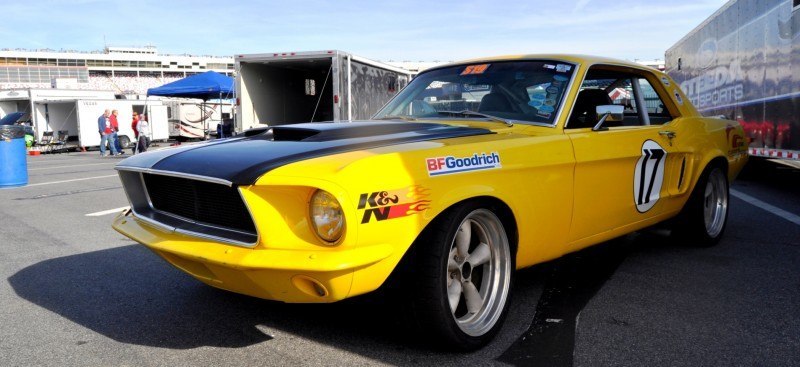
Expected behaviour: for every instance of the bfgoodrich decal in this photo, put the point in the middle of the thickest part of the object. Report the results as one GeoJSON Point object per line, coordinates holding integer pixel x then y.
{"type": "Point", "coordinates": [648, 176]}
{"type": "Point", "coordinates": [451, 164]}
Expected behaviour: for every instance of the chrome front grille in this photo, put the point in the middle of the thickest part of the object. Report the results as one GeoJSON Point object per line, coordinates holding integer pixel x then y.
{"type": "Point", "coordinates": [190, 205]}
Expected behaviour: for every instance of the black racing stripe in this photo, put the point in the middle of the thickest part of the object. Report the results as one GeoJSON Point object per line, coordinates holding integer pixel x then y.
{"type": "Point", "coordinates": [642, 174]}
{"type": "Point", "coordinates": [243, 161]}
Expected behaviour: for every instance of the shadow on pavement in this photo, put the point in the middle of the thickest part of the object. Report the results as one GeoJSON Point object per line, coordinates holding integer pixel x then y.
{"type": "Point", "coordinates": [132, 296]}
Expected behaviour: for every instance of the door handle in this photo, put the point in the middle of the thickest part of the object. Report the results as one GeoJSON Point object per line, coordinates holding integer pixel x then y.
{"type": "Point", "coordinates": [668, 134]}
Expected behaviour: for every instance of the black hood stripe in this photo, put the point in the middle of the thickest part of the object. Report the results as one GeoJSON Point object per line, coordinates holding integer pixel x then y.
{"type": "Point", "coordinates": [242, 161]}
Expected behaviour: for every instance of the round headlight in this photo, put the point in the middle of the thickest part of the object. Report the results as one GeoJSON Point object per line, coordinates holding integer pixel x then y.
{"type": "Point", "coordinates": [327, 217]}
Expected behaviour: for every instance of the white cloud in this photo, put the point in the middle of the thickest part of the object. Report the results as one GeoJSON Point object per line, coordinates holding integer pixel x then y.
{"type": "Point", "coordinates": [580, 5]}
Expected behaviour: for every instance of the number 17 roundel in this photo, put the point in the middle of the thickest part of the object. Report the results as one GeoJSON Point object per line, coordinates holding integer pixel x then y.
{"type": "Point", "coordinates": [649, 176]}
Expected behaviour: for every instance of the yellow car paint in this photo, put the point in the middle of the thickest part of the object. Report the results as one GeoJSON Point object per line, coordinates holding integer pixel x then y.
{"type": "Point", "coordinates": [567, 189]}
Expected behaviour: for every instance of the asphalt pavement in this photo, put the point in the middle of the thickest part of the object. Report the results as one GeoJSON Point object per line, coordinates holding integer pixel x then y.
{"type": "Point", "coordinates": [78, 293]}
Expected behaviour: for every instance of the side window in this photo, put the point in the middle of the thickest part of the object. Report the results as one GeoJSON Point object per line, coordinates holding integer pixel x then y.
{"type": "Point", "coordinates": [607, 85]}
{"type": "Point", "coordinates": [655, 106]}
{"type": "Point", "coordinates": [603, 87]}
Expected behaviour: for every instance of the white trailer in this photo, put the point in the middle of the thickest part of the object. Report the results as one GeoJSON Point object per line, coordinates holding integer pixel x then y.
{"type": "Point", "coordinates": [743, 63]}
{"type": "Point", "coordinates": [79, 118]}
{"type": "Point", "coordinates": [291, 87]}
{"type": "Point", "coordinates": [22, 100]}
{"type": "Point", "coordinates": [77, 111]}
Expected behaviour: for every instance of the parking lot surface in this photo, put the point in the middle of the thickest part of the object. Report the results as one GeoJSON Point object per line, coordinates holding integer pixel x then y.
{"type": "Point", "coordinates": [75, 292]}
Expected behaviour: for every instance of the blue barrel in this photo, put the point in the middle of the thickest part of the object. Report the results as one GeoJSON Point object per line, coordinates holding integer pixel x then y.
{"type": "Point", "coordinates": [13, 163]}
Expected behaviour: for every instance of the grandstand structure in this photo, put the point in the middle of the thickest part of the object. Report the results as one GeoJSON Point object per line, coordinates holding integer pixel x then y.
{"type": "Point", "coordinates": [129, 70]}
{"type": "Point", "coordinates": [123, 70]}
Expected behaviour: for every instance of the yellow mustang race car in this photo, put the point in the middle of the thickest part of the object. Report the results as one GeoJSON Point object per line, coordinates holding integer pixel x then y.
{"type": "Point", "coordinates": [473, 170]}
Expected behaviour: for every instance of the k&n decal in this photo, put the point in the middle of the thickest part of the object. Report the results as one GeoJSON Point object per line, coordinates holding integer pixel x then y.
{"type": "Point", "coordinates": [648, 176]}
{"type": "Point", "coordinates": [390, 204]}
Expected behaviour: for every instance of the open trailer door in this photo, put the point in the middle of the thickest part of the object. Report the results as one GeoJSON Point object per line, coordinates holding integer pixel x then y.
{"type": "Point", "coordinates": [159, 122]}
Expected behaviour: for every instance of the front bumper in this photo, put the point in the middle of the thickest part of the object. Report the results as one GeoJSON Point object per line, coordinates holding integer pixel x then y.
{"type": "Point", "coordinates": [296, 276]}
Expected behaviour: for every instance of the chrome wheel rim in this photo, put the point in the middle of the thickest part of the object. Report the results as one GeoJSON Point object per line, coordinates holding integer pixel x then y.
{"type": "Point", "coordinates": [715, 203]}
{"type": "Point", "coordinates": [478, 272]}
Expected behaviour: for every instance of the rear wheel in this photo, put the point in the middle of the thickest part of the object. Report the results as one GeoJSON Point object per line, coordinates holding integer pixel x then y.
{"type": "Point", "coordinates": [464, 277]}
{"type": "Point", "coordinates": [704, 217]}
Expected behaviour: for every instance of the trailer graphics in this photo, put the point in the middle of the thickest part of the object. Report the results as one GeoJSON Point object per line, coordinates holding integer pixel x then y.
{"type": "Point", "coordinates": [742, 63]}
{"type": "Point", "coordinates": [193, 120]}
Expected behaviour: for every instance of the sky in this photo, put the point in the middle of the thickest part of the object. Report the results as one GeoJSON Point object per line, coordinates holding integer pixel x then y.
{"type": "Point", "coordinates": [396, 30]}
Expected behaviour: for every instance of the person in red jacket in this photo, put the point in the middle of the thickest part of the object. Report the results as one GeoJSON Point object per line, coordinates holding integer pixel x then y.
{"type": "Point", "coordinates": [115, 128]}
{"type": "Point", "coordinates": [135, 131]}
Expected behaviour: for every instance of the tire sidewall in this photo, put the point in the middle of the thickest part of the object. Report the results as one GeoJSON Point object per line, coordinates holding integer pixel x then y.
{"type": "Point", "coordinates": [444, 236]}
{"type": "Point", "coordinates": [690, 223]}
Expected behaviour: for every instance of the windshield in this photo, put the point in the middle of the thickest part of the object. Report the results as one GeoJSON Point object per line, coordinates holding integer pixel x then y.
{"type": "Point", "coordinates": [519, 91]}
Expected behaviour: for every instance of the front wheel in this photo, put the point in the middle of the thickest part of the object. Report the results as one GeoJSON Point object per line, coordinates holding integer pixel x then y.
{"type": "Point", "coordinates": [704, 217]}
{"type": "Point", "coordinates": [464, 278]}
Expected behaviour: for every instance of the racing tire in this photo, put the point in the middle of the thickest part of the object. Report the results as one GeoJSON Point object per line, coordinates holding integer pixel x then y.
{"type": "Point", "coordinates": [703, 219]}
{"type": "Point", "coordinates": [462, 278]}
{"type": "Point", "coordinates": [124, 141]}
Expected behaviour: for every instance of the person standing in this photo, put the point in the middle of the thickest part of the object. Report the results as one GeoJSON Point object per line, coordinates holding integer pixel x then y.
{"type": "Point", "coordinates": [115, 127]}
{"type": "Point", "coordinates": [143, 132]}
{"type": "Point", "coordinates": [106, 132]}
{"type": "Point", "coordinates": [135, 131]}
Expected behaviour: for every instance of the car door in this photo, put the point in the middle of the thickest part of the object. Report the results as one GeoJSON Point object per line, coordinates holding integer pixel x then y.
{"type": "Point", "coordinates": [623, 171]}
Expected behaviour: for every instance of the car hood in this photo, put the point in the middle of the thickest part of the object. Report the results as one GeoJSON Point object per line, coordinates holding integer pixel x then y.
{"type": "Point", "coordinates": [241, 161]}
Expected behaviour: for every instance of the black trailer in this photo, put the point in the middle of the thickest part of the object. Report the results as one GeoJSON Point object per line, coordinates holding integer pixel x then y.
{"type": "Point", "coordinates": [291, 87]}
{"type": "Point", "coordinates": [743, 62]}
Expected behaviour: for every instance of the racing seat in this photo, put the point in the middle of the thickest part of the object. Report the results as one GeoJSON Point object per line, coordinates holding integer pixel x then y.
{"type": "Point", "coordinates": [583, 113]}
{"type": "Point", "coordinates": [495, 102]}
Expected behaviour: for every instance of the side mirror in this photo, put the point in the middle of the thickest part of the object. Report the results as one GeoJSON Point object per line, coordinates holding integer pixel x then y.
{"type": "Point", "coordinates": [615, 112]}
{"type": "Point", "coordinates": [612, 113]}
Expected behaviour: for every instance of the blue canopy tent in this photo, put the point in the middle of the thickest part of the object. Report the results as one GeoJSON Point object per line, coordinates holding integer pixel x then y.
{"type": "Point", "coordinates": [205, 86]}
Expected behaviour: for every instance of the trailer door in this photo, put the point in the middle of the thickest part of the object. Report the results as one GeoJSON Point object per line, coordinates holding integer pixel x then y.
{"type": "Point", "coordinates": [286, 91]}
{"type": "Point", "coordinates": [88, 112]}
{"type": "Point", "coordinates": [159, 123]}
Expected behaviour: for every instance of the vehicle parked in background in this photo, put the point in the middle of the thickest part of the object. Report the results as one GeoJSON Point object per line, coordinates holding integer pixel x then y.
{"type": "Point", "coordinates": [291, 87]}
{"type": "Point", "coordinates": [743, 63]}
{"type": "Point", "coordinates": [475, 169]}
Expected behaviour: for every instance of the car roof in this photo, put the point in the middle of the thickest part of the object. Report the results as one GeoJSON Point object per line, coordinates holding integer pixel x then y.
{"type": "Point", "coordinates": [572, 58]}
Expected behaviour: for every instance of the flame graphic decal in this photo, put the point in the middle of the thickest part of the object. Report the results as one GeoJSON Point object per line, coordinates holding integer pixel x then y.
{"type": "Point", "coordinates": [408, 201]}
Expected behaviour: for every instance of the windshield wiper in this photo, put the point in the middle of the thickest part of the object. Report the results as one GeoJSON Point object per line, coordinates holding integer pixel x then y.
{"type": "Point", "coordinates": [480, 114]}
{"type": "Point", "coordinates": [396, 117]}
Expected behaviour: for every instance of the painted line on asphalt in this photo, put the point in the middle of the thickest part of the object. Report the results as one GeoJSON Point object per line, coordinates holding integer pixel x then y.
{"type": "Point", "coordinates": [107, 212]}
{"type": "Point", "coordinates": [73, 165]}
{"type": "Point", "coordinates": [794, 218]}
{"type": "Point", "coordinates": [62, 160]}
{"type": "Point", "coordinates": [77, 179]}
